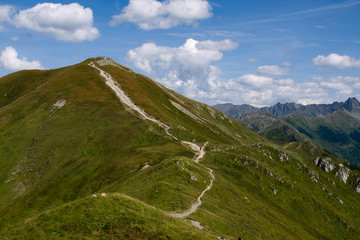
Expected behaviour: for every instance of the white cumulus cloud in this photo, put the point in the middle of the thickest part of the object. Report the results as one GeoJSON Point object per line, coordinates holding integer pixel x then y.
{"type": "Point", "coordinates": [336, 61]}
{"type": "Point", "coordinates": [255, 80]}
{"type": "Point", "coordinates": [335, 85]}
{"type": "Point", "coordinates": [152, 14]}
{"type": "Point", "coordinates": [188, 57]}
{"type": "Point", "coordinates": [273, 70]}
{"type": "Point", "coordinates": [340, 86]}
{"type": "Point", "coordinates": [9, 60]}
{"type": "Point", "coordinates": [5, 13]}
{"type": "Point", "coordinates": [66, 22]}
{"type": "Point", "coordinates": [190, 70]}
{"type": "Point", "coordinates": [288, 81]}
{"type": "Point", "coordinates": [264, 91]}
{"type": "Point", "coordinates": [187, 68]}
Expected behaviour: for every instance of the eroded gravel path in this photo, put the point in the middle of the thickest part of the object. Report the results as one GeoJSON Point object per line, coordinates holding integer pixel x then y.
{"type": "Point", "coordinates": [198, 202]}
{"type": "Point", "coordinates": [124, 99]}
{"type": "Point", "coordinates": [199, 151]}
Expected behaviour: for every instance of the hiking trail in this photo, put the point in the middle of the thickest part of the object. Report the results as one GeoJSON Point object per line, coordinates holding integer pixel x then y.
{"type": "Point", "coordinates": [199, 151]}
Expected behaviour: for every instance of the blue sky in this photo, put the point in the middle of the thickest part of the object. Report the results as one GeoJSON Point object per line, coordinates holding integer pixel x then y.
{"type": "Point", "coordinates": [250, 51]}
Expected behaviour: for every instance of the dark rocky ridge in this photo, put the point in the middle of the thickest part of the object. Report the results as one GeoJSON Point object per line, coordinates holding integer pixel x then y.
{"type": "Point", "coordinates": [282, 109]}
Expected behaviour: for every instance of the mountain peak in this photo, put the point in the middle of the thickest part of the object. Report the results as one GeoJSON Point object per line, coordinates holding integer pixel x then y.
{"type": "Point", "coordinates": [282, 109]}
{"type": "Point", "coordinates": [352, 105]}
{"type": "Point", "coordinates": [352, 100]}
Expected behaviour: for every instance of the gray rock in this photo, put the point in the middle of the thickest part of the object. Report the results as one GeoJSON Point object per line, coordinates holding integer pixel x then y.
{"type": "Point", "coordinates": [283, 156]}
{"type": "Point", "coordinates": [313, 178]}
{"type": "Point", "coordinates": [268, 172]}
{"type": "Point", "coordinates": [324, 164]}
{"type": "Point", "coordinates": [357, 185]}
{"type": "Point", "coordinates": [342, 173]}
{"type": "Point", "coordinates": [316, 161]}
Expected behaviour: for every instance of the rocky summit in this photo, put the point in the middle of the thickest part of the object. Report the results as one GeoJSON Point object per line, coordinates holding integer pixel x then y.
{"type": "Point", "coordinates": [98, 151]}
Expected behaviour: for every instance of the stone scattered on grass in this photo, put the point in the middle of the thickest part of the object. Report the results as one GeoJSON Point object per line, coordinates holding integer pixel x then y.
{"type": "Point", "coordinates": [60, 103]}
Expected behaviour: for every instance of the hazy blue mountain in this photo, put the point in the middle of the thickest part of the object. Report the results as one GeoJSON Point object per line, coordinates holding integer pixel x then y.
{"type": "Point", "coordinates": [282, 109]}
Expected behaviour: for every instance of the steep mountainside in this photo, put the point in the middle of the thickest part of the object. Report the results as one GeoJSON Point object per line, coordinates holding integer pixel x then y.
{"type": "Point", "coordinates": [172, 168]}
{"type": "Point", "coordinates": [339, 133]}
{"type": "Point", "coordinates": [335, 127]}
{"type": "Point", "coordinates": [273, 128]}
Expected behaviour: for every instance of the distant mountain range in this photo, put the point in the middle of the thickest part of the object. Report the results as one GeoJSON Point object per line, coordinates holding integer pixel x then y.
{"type": "Point", "coordinates": [351, 105]}
{"type": "Point", "coordinates": [335, 127]}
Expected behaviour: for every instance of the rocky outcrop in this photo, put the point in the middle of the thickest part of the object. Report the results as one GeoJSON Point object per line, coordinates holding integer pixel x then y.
{"type": "Point", "coordinates": [342, 173]}
{"type": "Point", "coordinates": [357, 185]}
{"type": "Point", "coordinates": [283, 156]}
{"type": "Point", "coordinates": [324, 163]}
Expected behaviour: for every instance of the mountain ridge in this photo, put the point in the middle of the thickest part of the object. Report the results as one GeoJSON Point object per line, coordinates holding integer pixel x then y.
{"type": "Point", "coordinates": [282, 109]}
{"type": "Point", "coordinates": [65, 137]}
{"type": "Point", "coordinates": [334, 127]}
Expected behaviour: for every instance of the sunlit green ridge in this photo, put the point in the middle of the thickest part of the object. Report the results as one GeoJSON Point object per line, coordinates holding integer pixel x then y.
{"type": "Point", "coordinates": [65, 136]}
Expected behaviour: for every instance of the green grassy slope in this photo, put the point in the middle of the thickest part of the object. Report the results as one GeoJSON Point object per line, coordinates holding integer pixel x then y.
{"type": "Point", "coordinates": [273, 128]}
{"type": "Point", "coordinates": [50, 156]}
{"type": "Point", "coordinates": [114, 216]}
{"type": "Point", "coordinates": [53, 156]}
{"type": "Point", "coordinates": [338, 133]}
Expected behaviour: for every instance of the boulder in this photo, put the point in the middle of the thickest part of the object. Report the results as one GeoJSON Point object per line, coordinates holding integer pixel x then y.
{"type": "Point", "coordinates": [316, 161]}
{"type": "Point", "coordinates": [324, 163]}
{"type": "Point", "coordinates": [342, 173]}
{"type": "Point", "coordinates": [357, 185]}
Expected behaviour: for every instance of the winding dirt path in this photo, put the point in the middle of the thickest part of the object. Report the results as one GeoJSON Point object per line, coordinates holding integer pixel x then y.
{"type": "Point", "coordinates": [199, 151]}
{"type": "Point", "coordinates": [198, 202]}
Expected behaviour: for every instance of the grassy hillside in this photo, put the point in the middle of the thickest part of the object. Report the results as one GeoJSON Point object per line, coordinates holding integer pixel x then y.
{"type": "Point", "coordinates": [338, 133]}
{"type": "Point", "coordinates": [335, 127]}
{"type": "Point", "coordinates": [272, 128]}
{"type": "Point", "coordinates": [114, 216]}
{"type": "Point", "coordinates": [65, 135]}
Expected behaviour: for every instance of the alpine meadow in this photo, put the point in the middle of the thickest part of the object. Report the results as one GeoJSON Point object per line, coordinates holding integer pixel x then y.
{"type": "Point", "coordinates": [76, 137]}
